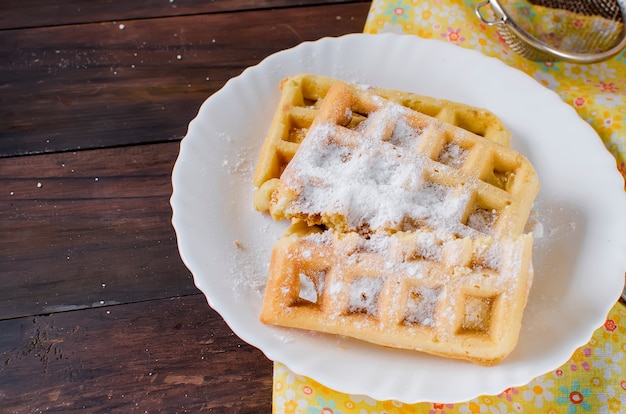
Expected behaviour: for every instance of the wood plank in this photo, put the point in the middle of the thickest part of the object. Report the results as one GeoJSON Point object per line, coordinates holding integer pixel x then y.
{"type": "Point", "coordinates": [86, 229]}
{"type": "Point", "coordinates": [99, 85]}
{"type": "Point", "coordinates": [35, 13]}
{"type": "Point", "coordinates": [170, 355]}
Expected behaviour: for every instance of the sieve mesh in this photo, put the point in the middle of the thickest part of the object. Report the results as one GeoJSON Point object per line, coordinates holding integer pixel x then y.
{"type": "Point", "coordinates": [581, 31]}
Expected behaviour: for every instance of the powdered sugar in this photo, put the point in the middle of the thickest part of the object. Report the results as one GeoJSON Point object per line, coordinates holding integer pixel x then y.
{"type": "Point", "coordinates": [364, 294]}
{"type": "Point", "coordinates": [453, 155]}
{"type": "Point", "coordinates": [372, 177]}
{"type": "Point", "coordinates": [482, 220]}
{"type": "Point", "coordinates": [421, 305]}
{"type": "Point", "coordinates": [308, 291]}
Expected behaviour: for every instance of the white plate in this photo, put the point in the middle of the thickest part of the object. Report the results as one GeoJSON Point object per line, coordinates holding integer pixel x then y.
{"type": "Point", "coordinates": [579, 253]}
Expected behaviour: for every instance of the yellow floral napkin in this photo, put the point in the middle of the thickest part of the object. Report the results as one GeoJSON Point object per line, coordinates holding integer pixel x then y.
{"type": "Point", "coordinates": [594, 379]}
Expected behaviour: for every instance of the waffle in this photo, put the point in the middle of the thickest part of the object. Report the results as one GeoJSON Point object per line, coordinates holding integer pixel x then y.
{"type": "Point", "coordinates": [453, 297]}
{"type": "Point", "coordinates": [407, 231]}
{"type": "Point", "coordinates": [401, 170]}
{"type": "Point", "coordinates": [301, 97]}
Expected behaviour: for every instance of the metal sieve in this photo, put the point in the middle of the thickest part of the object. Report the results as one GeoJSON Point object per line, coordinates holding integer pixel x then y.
{"type": "Point", "coordinates": [579, 31]}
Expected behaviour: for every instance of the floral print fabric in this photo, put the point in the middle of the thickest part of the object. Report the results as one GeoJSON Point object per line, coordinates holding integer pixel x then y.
{"type": "Point", "coordinates": [594, 379]}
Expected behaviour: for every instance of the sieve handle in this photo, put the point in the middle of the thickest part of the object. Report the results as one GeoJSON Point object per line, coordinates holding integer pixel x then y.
{"type": "Point", "coordinates": [498, 17]}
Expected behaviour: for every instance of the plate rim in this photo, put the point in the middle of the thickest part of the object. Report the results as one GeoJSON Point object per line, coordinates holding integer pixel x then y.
{"type": "Point", "coordinates": [267, 61]}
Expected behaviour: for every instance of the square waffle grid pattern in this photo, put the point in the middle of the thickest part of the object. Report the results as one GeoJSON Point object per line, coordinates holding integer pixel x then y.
{"type": "Point", "coordinates": [301, 97]}
{"type": "Point", "coordinates": [451, 297]}
{"type": "Point", "coordinates": [493, 187]}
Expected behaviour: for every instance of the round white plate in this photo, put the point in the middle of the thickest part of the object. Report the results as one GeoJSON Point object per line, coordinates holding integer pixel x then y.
{"type": "Point", "coordinates": [580, 245]}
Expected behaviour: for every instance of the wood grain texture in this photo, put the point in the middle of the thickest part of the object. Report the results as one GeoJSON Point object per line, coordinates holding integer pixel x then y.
{"type": "Point", "coordinates": [170, 355]}
{"type": "Point", "coordinates": [35, 13]}
{"type": "Point", "coordinates": [107, 84]}
{"type": "Point", "coordinates": [86, 229]}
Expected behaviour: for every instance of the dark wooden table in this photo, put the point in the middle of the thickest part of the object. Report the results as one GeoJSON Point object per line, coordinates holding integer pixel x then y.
{"type": "Point", "coordinates": [97, 312]}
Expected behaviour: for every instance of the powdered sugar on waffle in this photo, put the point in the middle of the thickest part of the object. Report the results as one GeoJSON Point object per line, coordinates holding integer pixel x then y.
{"type": "Point", "coordinates": [414, 256]}
{"type": "Point", "coordinates": [373, 177]}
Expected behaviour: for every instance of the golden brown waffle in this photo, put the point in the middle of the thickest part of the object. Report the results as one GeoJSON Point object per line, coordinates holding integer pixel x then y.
{"type": "Point", "coordinates": [454, 297]}
{"type": "Point", "coordinates": [408, 231]}
{"type": "Point", "coordinates": [301, 96]}
{"type": "Point", "coordinates": [401, 170]}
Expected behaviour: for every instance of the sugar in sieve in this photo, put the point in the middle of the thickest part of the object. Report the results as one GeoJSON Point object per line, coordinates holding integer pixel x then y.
{"type": "Point", "coordinates": [579, 31]}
